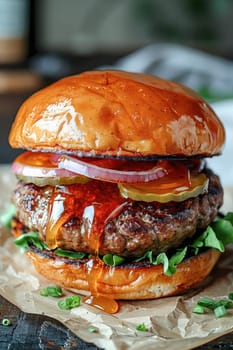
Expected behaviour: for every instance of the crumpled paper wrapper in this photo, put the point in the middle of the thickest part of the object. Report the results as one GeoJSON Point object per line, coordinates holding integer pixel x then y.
{"type": "Point", "coordinates": [170, 321]}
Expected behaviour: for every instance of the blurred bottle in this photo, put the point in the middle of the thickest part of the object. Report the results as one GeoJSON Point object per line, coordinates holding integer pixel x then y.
{"type": "Point", "coordinates": [14, 29]}
{"type": "Point", "coordinates": [17, 46]}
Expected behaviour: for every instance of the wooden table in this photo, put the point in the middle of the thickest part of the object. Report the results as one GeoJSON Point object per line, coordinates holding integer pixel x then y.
{"type": "Point", "coordinates": [37, 332]}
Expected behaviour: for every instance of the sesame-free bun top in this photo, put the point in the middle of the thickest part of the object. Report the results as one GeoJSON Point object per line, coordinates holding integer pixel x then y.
{"type": "Point", "coordinates": [115, 113]}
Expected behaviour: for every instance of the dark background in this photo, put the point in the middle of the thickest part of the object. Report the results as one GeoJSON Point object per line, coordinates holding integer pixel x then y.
{"type": "Point", "coordinates": [68, 37]}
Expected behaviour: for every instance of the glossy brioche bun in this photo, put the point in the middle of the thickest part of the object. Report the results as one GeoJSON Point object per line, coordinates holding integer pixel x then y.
{"type": "Point", "coordinates": [118, 114]}
{"type": "Point", "coordinates": [133, 281]}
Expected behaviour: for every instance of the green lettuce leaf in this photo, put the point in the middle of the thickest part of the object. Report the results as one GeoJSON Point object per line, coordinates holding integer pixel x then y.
{"type": "Point", "coordinates": [69, 253]}
{"type": "Point", "coordinates": [113, 260]}
{"type": "Point", "coordinates": [207, 239]}
{"type": "Point", "coordinates": [216, 236]}
{"type": "Point", "coordinates": [31, 238]}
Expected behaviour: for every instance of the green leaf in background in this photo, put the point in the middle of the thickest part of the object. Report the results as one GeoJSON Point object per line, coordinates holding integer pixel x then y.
{"type": "Point", "coordinates": [224, 229]}
{"type": "Point", "coordinates": [229, 217]}
{"type": "Point", "coordinates": [7, 216]}
{"type": "Point", "coordinates": [209, 94]}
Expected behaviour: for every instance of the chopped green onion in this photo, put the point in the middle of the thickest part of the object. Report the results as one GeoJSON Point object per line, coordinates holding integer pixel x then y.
{"type": "Point", "coordinates": [70, 302]}
{"type": "Point", "coordinates": [230, 296]}
{"type": "Point", "coordinates": [7, 216]}
{"type": "Point", "coordinates": [92, 329]}
{"type": "Point", "coordinates": [141, 327]}
{"type": "Point", "coordinates": [228, 304]}
{"type": "Point", "coordinates": [52, 291]}
{"type": "Point", "coordinates": [44, 292]}
{"type": "Point", "coordinates": [209, 303]}
{"type": "Point", "coordinates": [213, 304]}
{"type": "Point", "coordinates": [6, 322]}
{"type": "Point", "coordinates": [198, 309]}
{"type": "Point", "coordinates": [219, 307]}
{"type": "Point", "coordinates": [220, 311]}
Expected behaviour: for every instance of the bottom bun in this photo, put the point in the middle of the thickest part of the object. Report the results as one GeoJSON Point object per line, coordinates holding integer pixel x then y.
{"type": "Point", "coordinates": [129, 281]}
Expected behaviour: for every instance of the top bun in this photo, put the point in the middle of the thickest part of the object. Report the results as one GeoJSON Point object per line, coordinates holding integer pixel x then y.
{"type": "Point", "coordinates": [114, 113]}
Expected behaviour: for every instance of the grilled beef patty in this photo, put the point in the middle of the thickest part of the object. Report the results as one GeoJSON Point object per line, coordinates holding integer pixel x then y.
{"type": "Point", "coordinates": [129, 229]}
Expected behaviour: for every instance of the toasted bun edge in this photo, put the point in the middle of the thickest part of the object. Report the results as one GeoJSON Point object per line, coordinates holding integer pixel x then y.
{"type": "Point", "coordinates": [128, 282]}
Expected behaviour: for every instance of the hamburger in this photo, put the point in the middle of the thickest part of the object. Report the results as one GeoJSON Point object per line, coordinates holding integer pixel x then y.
{"type": "Point", "coordinates": [114, 197]}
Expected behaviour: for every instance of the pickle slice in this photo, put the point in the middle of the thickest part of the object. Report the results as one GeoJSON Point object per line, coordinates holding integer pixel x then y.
{"type": "Point", "coordinates": [151, 192]}
{"type": "Point", "coordinates": [53, 181]}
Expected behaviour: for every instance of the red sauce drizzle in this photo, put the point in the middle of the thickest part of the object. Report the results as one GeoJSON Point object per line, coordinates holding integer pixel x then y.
{"type": "Point", "coordinates": [94, 203]}
{"type": "Point", "coordinates": [58, 214]}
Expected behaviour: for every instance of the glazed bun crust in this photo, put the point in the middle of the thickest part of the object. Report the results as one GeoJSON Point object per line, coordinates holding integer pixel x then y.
{"type": "Point", "coordinates": [132, 281]}
{"type": "Point", "coordinates": [114, 113]}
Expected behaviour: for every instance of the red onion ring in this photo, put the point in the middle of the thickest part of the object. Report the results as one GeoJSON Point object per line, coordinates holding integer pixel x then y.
{"type": "Point", "coordinates": [92, 171]}
{"type": "Point", "coordinates": [37, 171]}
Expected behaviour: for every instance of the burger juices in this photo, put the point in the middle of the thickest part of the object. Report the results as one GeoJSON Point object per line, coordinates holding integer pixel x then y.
{"type": "Point", "coordinates": [114, 199]}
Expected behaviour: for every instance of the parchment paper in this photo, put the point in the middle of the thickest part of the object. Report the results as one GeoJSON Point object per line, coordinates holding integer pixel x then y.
{"type": "Point", "coordinates": [170, 321]}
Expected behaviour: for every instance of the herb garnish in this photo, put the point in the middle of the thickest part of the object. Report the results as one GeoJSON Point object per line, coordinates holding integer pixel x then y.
{"type": "Point", "coordinates": [69, 302]}
{"type": "Point", "coordinates": [141, 327]}
{"type": "Point", "coordinates": [6, 322]}
{"type": "Point", "coordinates": [51, 291]}
{"type": "Point", "coordinates": [92, 329]}
{"type": "Point", "coordinates": [219, 307]}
